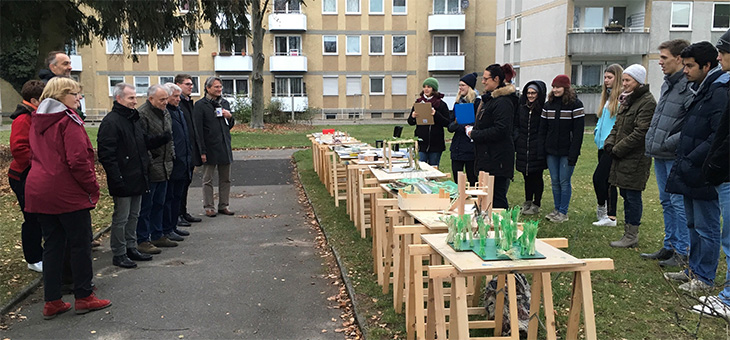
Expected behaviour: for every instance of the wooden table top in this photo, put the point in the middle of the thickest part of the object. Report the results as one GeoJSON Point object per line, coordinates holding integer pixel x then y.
{"type": "Point", "coordinates": [426, 171]}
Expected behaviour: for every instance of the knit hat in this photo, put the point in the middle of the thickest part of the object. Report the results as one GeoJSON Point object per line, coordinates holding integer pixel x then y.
{"type": "Point", "coordinates": [723, 44]}
{"type": "Point", "coordinates": [433, 83]}
{"type": "Point", "coordinates": [534, 87]}
{"type": "Point", "coordinates": [470, 79]}
{"type": "Point", "coordinates": [561, 81]}
{"type": "Point", "coordinates": [637, 72]}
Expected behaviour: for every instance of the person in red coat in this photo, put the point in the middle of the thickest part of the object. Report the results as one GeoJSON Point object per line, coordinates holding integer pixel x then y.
{"type": "Point", "coordinates": [62, 189]}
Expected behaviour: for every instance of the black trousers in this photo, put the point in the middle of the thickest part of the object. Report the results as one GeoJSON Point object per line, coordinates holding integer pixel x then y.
{"type": "Point", "coordinates": [30, 233]}
{"type": "Point", "coordinates": [73, 231]}
{"type": "Point", "coordinates": [534, 186]}
{"type": "Point", "coordinates": [464, 166]}
{"type": "Point", "coordinates": [605, 192]}
{"type": "Point", "coordinates": [184, 198]}
{"type": "Point", "coordinates": [501, 186]}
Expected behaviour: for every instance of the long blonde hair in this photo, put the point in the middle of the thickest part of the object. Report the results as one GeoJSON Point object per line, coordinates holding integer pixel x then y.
{"type": "Point", "coordinates": [470, 96]}
{"type": "Point", "coordinates": [616, 90]}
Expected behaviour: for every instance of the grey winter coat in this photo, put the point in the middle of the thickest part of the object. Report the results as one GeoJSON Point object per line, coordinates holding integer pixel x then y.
{"type": "Point", "coordinates": [666, 124]}
{"type": "Point", "coordinates": [157, 122]}
{"type": "Point", "coordinates": [214, 133]}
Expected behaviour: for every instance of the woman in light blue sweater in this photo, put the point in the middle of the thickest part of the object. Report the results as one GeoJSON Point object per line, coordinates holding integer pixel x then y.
{"type": "Point", "coordinates": [606, 194]}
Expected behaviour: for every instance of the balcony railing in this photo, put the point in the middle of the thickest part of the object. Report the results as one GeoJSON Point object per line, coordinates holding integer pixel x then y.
{"type": "Point", "coordinates": [233, 63]}
{"type": "Point", "coordinates": [289, 21]}
{"type": "Point", "coordinates": [447, 22]}
{"type": "Point", "coordinates": [287, 63]}
{"type": "Point", "coordinates": [453, 62]}
{"type": "Point", "coordinates": [605, 30]}
{"type": "Point", "coordinates": [597, 44]}
{"type": "Point", "coordinates": [76, 63]}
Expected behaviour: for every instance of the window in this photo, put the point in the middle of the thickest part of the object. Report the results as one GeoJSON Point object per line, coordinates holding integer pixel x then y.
{"type": "Point", "coordinates": [288, 45]}
{"type": "Point", "coordinates": [507, 31]}
{"type": "Point", "coordinates": [446, 7]}
{"type": "Point", "coordinates": [376, 7]}
{"type": "Point", "coordinates": [329, 43]}
{"type": "Point", "coordinates": [352, 7]}
{"type": "Point", "coordinates": [142, 84]}
{"type": "Point", "coordinates": [235, 46]}
{"type": "Point", "coordinates": [354, 86]}
{"type": "Point", "coordinates": [184, 6]}
{"type": "Point", "coordinates": [587, 74]}
{"type": "Point", "coordinates": [448, 84]}
{"type": "Point", "coordinates": [399, 44]}
{"type": "Point", "coordinates": [196, 86]}
{"type": "Point", "coordinates": [330, 86]}
{"type": "Point", "coordinates": [113, 81]}
{"type": "Point", "coordinates": [446, 45]}
{"type": "Point", "coordinates": [70, 48]}
{"type": "Point", "coordinates": [516, 78]}
{"type": "Point", "coordinates": [376, 45]}
{"type": "Point", "coordinates": [114, 46]}
{"type": "Point", "coordinates": [353, 45]}
{"type": "Point", "coordinates": [139, 49]}
{"type": "Point", "coordinates": [235, 87]}
{"type": "Point", "coordinates": [593, 19]}
{"type": "Point", "coordinates": [286, 6]}
{"type": "Point", "coordinates": [721, 16]}
{"type": "Point", "coordinates": [399, 6]}
{"type": "Point", "coordinates": [186, 48]}
{"type": "Point", "coordinates": [376, 115]}
{"type": "Point", "coordinates": [288, 87]}
{"type": "Point", "coordinates": [399, 85]}
{"type": "Point", "coordinates": [165, 49]}
{"type": "Point", "coordinates": [377, 85]}
{"type": "Point", "coordinates": [518, 28]}
{"type": "Point", "coordinates": [681, 15]}
{"type": "Point", "coordinates": [166, 79]}
{"type": "Point", "coordinates": [329, 6]}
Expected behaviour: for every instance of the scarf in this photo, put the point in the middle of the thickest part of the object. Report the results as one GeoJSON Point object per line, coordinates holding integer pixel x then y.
{"type": "Point", "coordinates": [623, 98]}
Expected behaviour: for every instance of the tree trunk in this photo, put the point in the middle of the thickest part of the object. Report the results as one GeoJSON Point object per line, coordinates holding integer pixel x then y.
{"type": "Point", "coordinates": [257, 94]}
{"type": "Point", "coordinates": [52, 36]}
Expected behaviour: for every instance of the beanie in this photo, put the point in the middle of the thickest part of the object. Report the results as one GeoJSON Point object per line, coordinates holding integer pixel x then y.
{"type": "Point", "coordinates": [561, 81]}
{"type": "Point", "coordinates": [470, 79]}
{"type": "Point", "coordinates": [431, 82]}
{"type": "Point", "coordinates": [723, 44]}
{"type": "Point", "coordinates": [534, 87]}
{"type": "Point", "coordinates": [637, 72]}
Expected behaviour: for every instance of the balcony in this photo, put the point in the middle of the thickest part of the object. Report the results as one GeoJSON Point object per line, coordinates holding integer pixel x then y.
{"type": "Point", "coordinates": [628, 42]}
{"type": "Point", "coordinates": [446, 62]}
{"type": "Point", "coordinates": [288, 63]}
{"type": "Point", "coordinates": [300, 103]}
{"type": "Point", "coordinates": [233, 63]}
{"type": "Point", "coordinates": [447, 22]}
{"type": "Point", "coordinates": [76, 63]}
{"type": "Point", "coordinates": [287, 22]}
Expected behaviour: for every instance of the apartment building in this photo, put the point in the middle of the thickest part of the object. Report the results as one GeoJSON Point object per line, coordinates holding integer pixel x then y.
{"type": "Point", "coordinates": [354, 59]}
{"type": "Point", "coordinates": [585, 36]}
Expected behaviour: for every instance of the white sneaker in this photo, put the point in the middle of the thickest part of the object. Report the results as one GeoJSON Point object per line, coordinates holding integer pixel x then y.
{"type": "Point", "coordinates": [713, 306]}
{"type": "Point", "coordinates": [694, 286]}
{"type": "Point", "coordinates": [36, 267]}
{"type": "Point", "coordinates": [560, 218]}
{"type": "Point", "coordinates": [605, 222]}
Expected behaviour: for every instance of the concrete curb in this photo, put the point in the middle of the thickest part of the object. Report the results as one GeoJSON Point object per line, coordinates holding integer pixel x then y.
{"type": "Point", "coordinates": [31, 287]}
{"type": "Point", "coordinates": [340, 264]}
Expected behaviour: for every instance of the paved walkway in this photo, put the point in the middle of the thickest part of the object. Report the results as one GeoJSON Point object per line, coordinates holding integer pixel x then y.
{"type": "Point", "coordinates": [234, 277]}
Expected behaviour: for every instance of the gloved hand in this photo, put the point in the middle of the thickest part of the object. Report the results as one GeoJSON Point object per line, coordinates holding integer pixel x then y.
{"type": "Point", "coordinates": [572, 162]}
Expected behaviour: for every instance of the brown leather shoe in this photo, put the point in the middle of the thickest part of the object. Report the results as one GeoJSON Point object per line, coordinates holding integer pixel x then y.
{"type": "Point", "coordinates": [225, 212]}
{"type": "Point", "coordinates": [210, 213]}
{"type": "Point", "coordinates": [164, 242]}
{"type": "Point", "coordinates": [148, 248]}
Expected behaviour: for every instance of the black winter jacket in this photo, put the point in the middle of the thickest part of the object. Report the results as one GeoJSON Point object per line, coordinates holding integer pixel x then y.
{"type": "Point", "coordinates": [432, 136]}
{"type": "Point", "coordinates": [561, 129]}
{"type": "Point", "coordinates": [462, 148]}
{"type": "Point", "coordinates": [527, 131]}
{"type": "Point", "coordinates": [182, 164]}
{"type": "Point", "coordinates": [122, 151]}
{"type": "Point", "coordinates": [186, 105]}
{"type": "Point", "coordinates": [492, 133]}
{"type": "Point", "coordinates": [717, 165]}
{"type": "Point", "coordinates": [214, 133]}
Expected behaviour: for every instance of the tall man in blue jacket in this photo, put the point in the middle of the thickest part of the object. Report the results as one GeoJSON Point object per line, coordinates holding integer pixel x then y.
{"type": "Point", "coordinates": [181, 169]}
{"type": "Point", "coordinates": [700, 197]}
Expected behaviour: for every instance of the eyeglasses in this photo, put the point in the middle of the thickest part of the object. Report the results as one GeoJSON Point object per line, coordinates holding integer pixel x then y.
{"type": "Point", "coordinates": [188, 84]}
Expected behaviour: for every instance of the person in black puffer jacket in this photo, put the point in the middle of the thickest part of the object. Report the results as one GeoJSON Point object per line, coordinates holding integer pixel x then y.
{"type": "Point", "coordinates": [462, 148]}
{"type": "Point", "coordinates": [492, 132]}
{"type": "Point", "coordinates": [431, 143]}
{"type": "Point", "coordinates": [527, 128]}
{"type": "Point", "coordinates": [561, 136]}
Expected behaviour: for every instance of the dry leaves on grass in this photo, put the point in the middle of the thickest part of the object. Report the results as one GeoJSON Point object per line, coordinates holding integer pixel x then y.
{"type": "Point", "coordinates": [274, 129]}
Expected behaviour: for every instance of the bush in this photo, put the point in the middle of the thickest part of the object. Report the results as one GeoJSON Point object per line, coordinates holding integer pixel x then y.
{"type": "Point", "coordinates": [274, 115]}
{"type": "Point", "coordinates": [241, 109]}
{"type": "Point", "coordinates": [307, 115]}
{"type": "Point", "coordinates": [588, 88]}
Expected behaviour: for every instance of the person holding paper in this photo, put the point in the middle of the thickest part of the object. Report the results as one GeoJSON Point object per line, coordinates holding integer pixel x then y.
{"type": "Point", "coordinates": [462, 148]}
{"type": "Point", "coordinates": [492, 131]}
{"type": "Point", "coordinates": [431, 137]}
{"type": "Point", "coordinates": [527, 128]}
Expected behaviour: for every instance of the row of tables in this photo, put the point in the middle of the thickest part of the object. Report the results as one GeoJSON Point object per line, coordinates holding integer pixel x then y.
{"type": "Point", "coordinates": [441, 288]}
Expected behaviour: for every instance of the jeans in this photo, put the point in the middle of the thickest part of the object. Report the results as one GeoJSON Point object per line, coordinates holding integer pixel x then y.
{"type": "Point", "coordinates": [676, 235]}
{"type": "Point", "coordinates": [175, 190]}
{"type": "Point", "coordinates": [723, 193]}
{"type": "Point", "coordinates": [605, 192]}
{"type": "Point", "coordinates": [703, 220]}
{"type": "Point", "coordinates": [465, 166]}
{"type": "Point", "coordinates": [560, 173]}
{"type": "Point", "coordinates": [224, 185]}
{"type": "Point", "coordinates": [31, 233]}
{"type": "Point", "coordinates": [150, 215]}
{"type": "Point", "coordinates": [501, 186]}
{"type": "Point", "coordinates": [633, 208]}
{"type": "Point", "coordinates": [432, 158]}
{"type": "Point", "coordinates": [124, 223]}
{"type": "Point", "coordinates": [534, 186]}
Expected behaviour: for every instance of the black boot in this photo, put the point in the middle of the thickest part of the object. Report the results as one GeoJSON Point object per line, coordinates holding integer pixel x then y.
{"type": "Point", "coordinates": [661, 254]}
{"type": "Point", "coordinates": [675, 261]}
{"type": "Point", "coordinates": [123, 261]}
{"type": "Point", "coordinates": [135, 255]}
{"type": "Point", "coordinates": [190, 218]}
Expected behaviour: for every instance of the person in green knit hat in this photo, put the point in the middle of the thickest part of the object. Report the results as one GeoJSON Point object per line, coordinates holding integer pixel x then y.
{"type": "Point", "coordinates": [431, 137]}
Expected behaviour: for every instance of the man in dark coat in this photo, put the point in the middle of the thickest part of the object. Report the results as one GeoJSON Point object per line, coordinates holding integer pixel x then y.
{"type": "Point", "coordinates": [185, 82]}
{"type": "Point", "coordinates": [59, 65]}
{"type": "Point", "coordinates": [701, 204]}
{"type": "Point", "coordinates": [214, 121]}
{"type": "Point", "coordinates": [181, 168]}
{"type": "Point", "coordinates": [122, 151]}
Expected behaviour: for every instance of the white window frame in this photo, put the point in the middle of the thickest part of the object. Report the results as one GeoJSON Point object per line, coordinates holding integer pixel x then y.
{"type": "Point", "coordinates": [507, 31]}
{"type": "Point", "coordinates": [671, 15]}
{"type": "Point", "coordinates": [169, 51]}
{"type": "Point", "coordinates": [347, 45]}
{"type": "Point", "coordinates": [186, 45]}
{"type": "Point", "coordinates": [245, 47]}
{"type": "Point", "coordinates": [136, 88]}
{"type": "Point", "coordinates": [347, 92]}
{"type": "Point", "coordinates": [289, 48]}
{"type": "Point", "coordinates": [518, 28]}
{"type": "Point", "coordinates": [236, 78]}
{"type": "Point", "coordinates": [393, 89]}
{"type": "Point", "coordinates": [196, 84]}
{"type": "Point", "coordinates": [287, 10]}
{"type": "Point", "coordinates": [337, 86]}
{"type": "Point", "coordinates": [382, 44]}
{"type": "Point", "coordinates": [164, 82]}
{"type": "Point", "coordinates": [446, 44]}
{"type": "Point", "coordinates": [359, 8]}
{"type": "Point", "coordinates": [337, 43]}
{"type": "Point", "coordinates": [119, 44]}
{"type": "Point", "coordinates": [405, 45]}
{"type": "Point", "coordinates": [405, 11]}
{"type": "Point", "coordinates": [382, 12]}
{"type": "Point", "coordinates": [289, 94]}
{"type": "Point", "coordinates": [109, 83]}
{"type": "Point", "coordinates": [141, 52]}
{"type": "Point", "coordinates": [516, 79]}
{"type": "Point", "coordinates": [712, 24]}
{"type": "Point", "coordinates": [382, 85]}
{"type": "Point", "coordinates": [329, 13]}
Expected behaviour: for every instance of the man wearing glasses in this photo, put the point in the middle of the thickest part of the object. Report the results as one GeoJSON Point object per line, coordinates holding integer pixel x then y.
{"type": "Point", "coordinates": [185, 81]}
